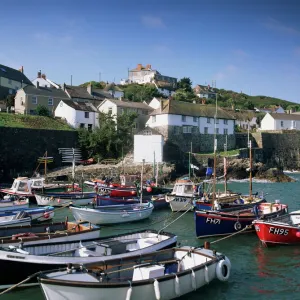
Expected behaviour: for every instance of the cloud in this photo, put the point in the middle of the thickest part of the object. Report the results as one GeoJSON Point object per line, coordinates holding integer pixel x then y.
{"type": "Point", "coordinates": [153, 22]}
{"type": "Point", "coordinates": [275, 25]}
{"type": "Point", "coordinates": [227, 72]}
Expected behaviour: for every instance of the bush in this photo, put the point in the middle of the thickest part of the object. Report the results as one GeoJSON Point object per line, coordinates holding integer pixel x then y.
{"type": "Point", "coordinates": [42, 110]}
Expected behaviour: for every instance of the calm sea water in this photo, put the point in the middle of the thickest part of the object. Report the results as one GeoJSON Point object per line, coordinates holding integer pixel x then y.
{"type": "Point", "coordinates": [257, 272]}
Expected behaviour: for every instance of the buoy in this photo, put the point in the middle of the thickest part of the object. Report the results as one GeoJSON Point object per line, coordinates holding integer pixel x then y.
{"type": "Point", "coordinates": [156, 289]}
{"type": "Point", "coordinates": [193, 279]}
{"type": "Point", "coordinates": [149, 189]}
{"type": "Point", "coordinates": [129, 292]}
{"type": "Point", "coordinates": [223, 270]}
{"type": "Point", "coordinates": [46, 215]}
{"type": "Point", "coordinates": [237, 226]}
{"type": "Point", "coordinates": [177, 286]}
{"type": "Point", "coordinates": [58, 200]}
{"type": "Point", "coordinates": [206, 275]}
{"type": "Point", "coordinates": [133, 192]}
{"type": "Point", "coordinates": [298, 234]}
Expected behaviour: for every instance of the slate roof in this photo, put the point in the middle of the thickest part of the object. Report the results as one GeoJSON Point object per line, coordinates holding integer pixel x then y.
{"type": "Point", "coordinates": [101, 94]}
{"type": "Point", "coordinates": [290, 117]}
{"type": "Point", "coordinates": [148, 130]}
{"type": "Point", "coordinates": [243, 115]}
{"type": "Point", "coordinates": [130, 104]}
{"type": "Point", "coordinates": [82, 106]}
{"type": "Point", "coordinates": [191, 109]}
{"type": "Point", "coordinates": [78, 92]}
{"type": "Point", "coordinates": [13, 74]}
{"type": "Point", "coordinates": [45, 91]}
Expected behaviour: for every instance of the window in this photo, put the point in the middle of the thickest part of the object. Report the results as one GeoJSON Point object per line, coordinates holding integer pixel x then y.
{"type": "Point", "coordinates": [217, 130]}
{"type": "Point", "coordinates": [153, 119]}
{"type": "Point", "coordinates": [9, 81]}
{"type": "Point", "coordinates": [225, 122]}
{"type": "Point", "coordinates": [187, 129]}
{"type": "Point", "coordinates": [183, 118]}
{"type": "Point", "coordinates": [208, 120]}
{"type": "Point", "coordinates": [90, 127]}
{"type": "Point", "coordinates": [205, 130]}
{"type": "Point", "coordinates": [225, 131]}
{"type": "Point", "coordinates": [293, 124]}
{"type": "Point", "coordinates": [50, 101]}
{"type": "Point", "coordinates": [194, 129]}
{"type": "Point", "coordinates": [81, 125]}
{"type": "Point", "coordinates": [217, 121]}
{"type": "Point", "coordinates": [34, 100]}
{"type": "Point", "coordinates": [281, 123]}
{"type": "Point", "coordinates": [32, 112]}
{"type": "Point", "coordinates": [86, 114]}
{"type": "Point", "coordinates": [195, 119]}
{"type": "Point", "coordinates": [177, 130]}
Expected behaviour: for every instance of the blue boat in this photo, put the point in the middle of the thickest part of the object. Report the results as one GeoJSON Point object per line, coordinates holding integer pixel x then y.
{"type": "Point", "coordinates": [71, 195]}
{"type": "Point", "coordinates": [36, 214]}
{"type": "Point", "coordinates": [231, 220]}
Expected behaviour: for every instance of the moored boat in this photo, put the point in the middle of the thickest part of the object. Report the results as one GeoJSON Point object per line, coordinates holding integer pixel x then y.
{"type": "Point", "coordinates": [45, 200]}
{"type": "Point", "coordinates": [166, 274]}
{"type": "Point", "coordinates": [20, 262]}
{"type": "Point", "coordinates": [20, 219]}
{"type": "Point", "coordinates": [228, 221]}
{"type": "Point", "coordinates": [10, 202]}
{"type": "Point", "coordinates": [282, 230]}
{"type": "Point", "coordinates": [113, 214]}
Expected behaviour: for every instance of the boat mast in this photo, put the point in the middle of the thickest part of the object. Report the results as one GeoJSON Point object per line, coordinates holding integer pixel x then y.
{"type": "Point", "coordinates": [250, 176]}
{"type": "Point", "coordinates": [141, 185]}
{"type": "Point", "coordinates": [215, 151]}
{"type": "Point", "coordinates": [45, 166]}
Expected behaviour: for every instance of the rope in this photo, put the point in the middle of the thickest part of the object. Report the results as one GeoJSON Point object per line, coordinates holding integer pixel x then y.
{"type": "Point", "coordinates": [226, 237]}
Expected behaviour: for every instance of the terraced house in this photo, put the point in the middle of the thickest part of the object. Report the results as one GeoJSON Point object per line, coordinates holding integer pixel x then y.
{"type": "Point", "coordinates": [184, 123]}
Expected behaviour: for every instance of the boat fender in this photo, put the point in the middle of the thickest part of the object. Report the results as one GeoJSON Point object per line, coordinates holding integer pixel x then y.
{"type": "Point", "coordinates": [129, 292]}
{"type": "Point", "coordinates": [206, 275]}
{"type": "Point", "coordinates": [237, 226]}
{"type": "Point", "coordinates": [177, 286]}
{"type": "Point", "coordinates": [156, 289]}
{"type": "Point", "coordinates": [223, 270]}
{"type": "Point", "coordinates": [193, 279]}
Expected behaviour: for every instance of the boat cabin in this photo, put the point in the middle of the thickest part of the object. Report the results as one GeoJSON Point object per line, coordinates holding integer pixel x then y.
{"type": "Point", "coordinates": [183, 187]}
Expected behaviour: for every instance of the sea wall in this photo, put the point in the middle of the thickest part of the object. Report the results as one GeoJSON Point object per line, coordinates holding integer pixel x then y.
{"type": "Point", "coordinates": [21, 147]}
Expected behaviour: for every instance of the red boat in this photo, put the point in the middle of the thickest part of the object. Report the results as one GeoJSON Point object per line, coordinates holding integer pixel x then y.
{"type": "Point", "coordinates": [283, 230]}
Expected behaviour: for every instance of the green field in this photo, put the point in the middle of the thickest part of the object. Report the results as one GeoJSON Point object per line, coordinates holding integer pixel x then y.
{"type": "Point", "coordinates": [35, 122]}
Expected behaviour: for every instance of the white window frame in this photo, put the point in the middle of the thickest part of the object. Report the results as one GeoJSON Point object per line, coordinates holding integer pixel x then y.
{"type": "Point", "coordinates": [195, 119]}
{"type": "Point", "coordinates": [225, 122]}
{"type": "Point", "coordinates": [86, 114]}
{"type": "Point", "coordinates": [187, 129]}
{"type": "Point", "coordinates": [281, 123]}
{"type": "Point", "coordinates": [217, 121]}
{"type": "Point", "coordinates": [208, 120]}
{"type": "Point", "coordinates": [50, 104]}
{"type": "Point", "coordinates": [34, 100]}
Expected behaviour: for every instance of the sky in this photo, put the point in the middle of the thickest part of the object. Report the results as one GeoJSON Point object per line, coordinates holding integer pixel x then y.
{"type": "Point", "coordinates": [249, 46]}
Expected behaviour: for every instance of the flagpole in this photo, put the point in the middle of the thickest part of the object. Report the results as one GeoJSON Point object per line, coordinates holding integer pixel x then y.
{"type": "Point", "coordinates": [215, 153]}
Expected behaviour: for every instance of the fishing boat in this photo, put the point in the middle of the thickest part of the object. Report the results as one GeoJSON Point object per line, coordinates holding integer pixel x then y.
{"type": "Point", "coordinates": [113, 214]}
{"type": "Point", "coordinates": [46, 200]}
{"type": "Point", "coordinates": [283, 230]}
{"type": "Point", "coordinates": [24, 260]}
{"type": "Point", "coordinates": [70, 194]}
{"type": "Point", "coordinates": [166, 274]}
{"type": "Point", "coordinates": [182, 196]}
{"type": "Point", "coordinates": [48, 233]}
{"type": "Point", "coordinates": [37, 213]}
{"type": "Point", "coordinates": [107, 200]}
{"type": "Point", "coordinates": [228, 221]}
{"type": "Point", "coordinates": [19, 219]}
{"type": "Point", "coordinates": [10, 202]}
{"type": "Point", "coordinates": [160, 202]}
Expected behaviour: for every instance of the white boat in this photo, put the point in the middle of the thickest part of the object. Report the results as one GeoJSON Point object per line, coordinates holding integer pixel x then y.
{"type": "Point", "coordinates": [24, 260]}
{"type": "Point", "coordinates": [113, 214]}
{"type": "Point", "coordinates": [182, 196]}
{"type": "Point", "coordinates": [11, 203]}
{"type": "Point", "coordinates": [20, 219]}
{"type": "Point", "coordinates": [43, 199]}
{"type": "Point", "coordinates": [166, 274]}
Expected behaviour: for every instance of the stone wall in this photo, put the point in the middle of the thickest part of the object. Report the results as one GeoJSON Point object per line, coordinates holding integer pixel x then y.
{"type": "Point", "coordinates": [21, 147]}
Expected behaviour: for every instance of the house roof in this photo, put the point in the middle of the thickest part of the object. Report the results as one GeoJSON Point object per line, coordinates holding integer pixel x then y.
{"type": "Point", "coordinates": [4, 92]}
{"type": "Point", "coordinates": [242, 115]}
{"type": "Point", "coordinates": [130, 104]}
{"type": "Point", "coordinates": [45, 91]}
{"type": "Point", "coordinates": [191, 109]}
{"type": "Point", "coordinates": [13, 74]}
{"type": "Point", "coordinates": [204, 89]}
{"type": "Point", "coordinates": [101, 94]}
{"type": "Point", "coordinates": [82, 106]}
{"type": "Point", "coordinates": [285, 116]}
{"type": "Point", "coordinates": [78, 92]}
{"type": "Point", "coordinates": [148, 131]}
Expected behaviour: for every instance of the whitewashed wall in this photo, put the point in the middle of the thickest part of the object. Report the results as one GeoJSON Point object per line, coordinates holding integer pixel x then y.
{"type": "Point", "coordinates": [146, 145]}
{"type": "Point", "coordinates": [268, 123]}
{"type": "Point", "coordinates": [106, 105]}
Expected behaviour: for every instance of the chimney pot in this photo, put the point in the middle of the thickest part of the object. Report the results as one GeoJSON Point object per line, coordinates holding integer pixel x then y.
{"type": "Point", "coordinates": [39, 74]}
{"type": "Point", "coordinates": [139, 67]}
{"type": "Point", "coordinates": [44, 76]}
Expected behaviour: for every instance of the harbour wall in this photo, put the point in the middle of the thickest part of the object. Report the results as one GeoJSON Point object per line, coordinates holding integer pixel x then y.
{"type": "Point", "coordinates": [21, 147]}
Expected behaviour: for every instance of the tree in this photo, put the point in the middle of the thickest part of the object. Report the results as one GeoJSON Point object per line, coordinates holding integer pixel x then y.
{"type": "Point", "coordinates": [42, 110]}
{"type": "Point", "coordinates": [140, 93]}
{"type": "Point", "coordinates": [232, 103]}
{"type": "Point", "coordinates": [249, 105]}
{"type": "Point", "coordinates": [182, 95]}
{"type": "Point", "coordinates": [10, 101]}
{"type": "Point", "coordinates": [185, 84]}
{"type": "Point", "coordinates": [97, 85]}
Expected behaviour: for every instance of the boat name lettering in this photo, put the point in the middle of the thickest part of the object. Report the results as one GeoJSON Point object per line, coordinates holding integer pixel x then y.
{"type": "Point", "coordinates": [180, 199]}
{"type": "Point", "coordinates": [213, 221]}
{"type": "Point", "coordinates": [279, 231]}
{"type": "Point", "coordinates": [13, 256]}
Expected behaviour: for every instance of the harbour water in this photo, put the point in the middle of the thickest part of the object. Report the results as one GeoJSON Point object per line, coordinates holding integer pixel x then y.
{"type": "Point", "coordinates": [257, 272]}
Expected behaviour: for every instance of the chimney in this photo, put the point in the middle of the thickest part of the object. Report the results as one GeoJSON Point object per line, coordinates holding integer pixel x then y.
{"type": "Point", "coordinates": [39, 75]}
{"type": "Point", "coordinates": [37, 84]}
{"type": "Point", "coordinates": [139, 67]}
{"type": "Point", "coordinates": [64, 87]}
{"type": "Point", "coordinates": [90, 89]}
{"type": "Point", "coordinates": [21, 69]}
{"type": "Point", "coordinates": [44, 76]}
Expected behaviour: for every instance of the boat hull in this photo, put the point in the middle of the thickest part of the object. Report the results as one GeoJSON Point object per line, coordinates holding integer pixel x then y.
{"type": "Point", "coordinates": [106, 216]}
{"type": "Point", "coordinates": [180, 203]}
{"type": "Point", "coordinates": [14, 223]}
{"type": "Point", "coordinates": [43, 200]}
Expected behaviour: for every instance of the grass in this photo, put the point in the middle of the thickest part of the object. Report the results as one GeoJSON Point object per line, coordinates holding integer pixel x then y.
{"type": "Point", "coordinates": [223, 153]}
{"type": "Point", "coordinates": [35, 122]}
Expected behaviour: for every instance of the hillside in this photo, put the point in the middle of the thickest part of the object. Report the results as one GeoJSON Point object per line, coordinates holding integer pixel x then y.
{"type": "Point", "coordinates": [36, 122]}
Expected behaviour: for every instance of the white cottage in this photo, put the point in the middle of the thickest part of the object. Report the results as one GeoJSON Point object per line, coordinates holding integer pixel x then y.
{"type": "Point", "coordinates": [280, 121]}
{"type": "Point", "coordinates": [187, 118]}
{"type": "Point", "coordinates": [78, 114]}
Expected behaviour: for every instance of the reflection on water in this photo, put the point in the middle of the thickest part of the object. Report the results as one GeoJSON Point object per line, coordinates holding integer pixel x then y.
{"type": "Point", "coordinates": [257, 273]}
